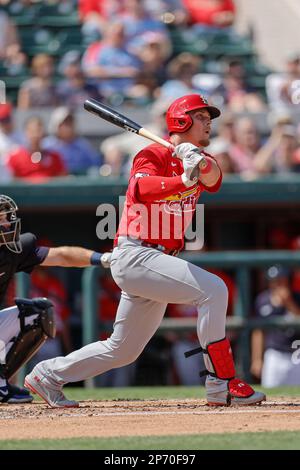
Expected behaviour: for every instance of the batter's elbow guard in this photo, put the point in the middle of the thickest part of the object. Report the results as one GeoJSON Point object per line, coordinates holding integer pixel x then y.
{"type": "Point", "coordinates": [39, 326]}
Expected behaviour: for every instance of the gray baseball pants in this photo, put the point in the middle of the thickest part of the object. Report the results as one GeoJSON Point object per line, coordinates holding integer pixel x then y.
{"type": "Point", "coordinates": [149, 280]}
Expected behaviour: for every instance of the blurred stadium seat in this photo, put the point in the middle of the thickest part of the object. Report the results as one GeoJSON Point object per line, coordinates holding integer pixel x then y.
{"type": "Point", "coordinates": [21, 14]}
{"type": "Point", "coordinates": [59, 15]}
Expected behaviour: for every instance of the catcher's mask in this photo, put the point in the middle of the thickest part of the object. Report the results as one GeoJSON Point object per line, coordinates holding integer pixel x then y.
{"type": "Point", "coordinates": [10, 225]}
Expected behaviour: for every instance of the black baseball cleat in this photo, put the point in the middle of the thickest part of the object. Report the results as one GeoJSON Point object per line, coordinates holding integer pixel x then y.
{"type": "Point", "coordinates": [13, 395]}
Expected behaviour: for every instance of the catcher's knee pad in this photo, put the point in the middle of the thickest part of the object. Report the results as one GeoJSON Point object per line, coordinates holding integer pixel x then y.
{"type": "Point", "coordinates": [32, 336]}
{"type": "Point", "coordinates": [220, 355]}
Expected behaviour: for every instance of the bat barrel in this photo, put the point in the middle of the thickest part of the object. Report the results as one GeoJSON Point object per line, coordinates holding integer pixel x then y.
{"type": "Point", "coordinates": [114, 117]}
{"type": "Point", "coordinates": [94, 106]}
{"type": "Point", "coordinates": [110, 115]}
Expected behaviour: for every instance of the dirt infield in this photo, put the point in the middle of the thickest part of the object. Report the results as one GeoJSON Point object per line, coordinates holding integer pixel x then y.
{"type": "Point", "coordinates": [144, 417]}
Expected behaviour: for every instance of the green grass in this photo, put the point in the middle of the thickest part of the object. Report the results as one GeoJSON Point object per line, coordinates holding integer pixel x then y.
{"type": "Point", "coordinates": [141, 393]}
{"type": "Point", "coordinates": [132, 393]}
{"type": "Point", "coordinates": [245, 441]}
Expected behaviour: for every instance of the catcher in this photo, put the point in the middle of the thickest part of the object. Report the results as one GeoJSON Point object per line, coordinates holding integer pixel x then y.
{"type": "Point", "coordinates": [25, 326]}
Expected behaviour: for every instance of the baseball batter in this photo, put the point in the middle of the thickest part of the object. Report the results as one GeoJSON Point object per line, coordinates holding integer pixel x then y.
{"type": "Point", "coordinates": [163, 190]}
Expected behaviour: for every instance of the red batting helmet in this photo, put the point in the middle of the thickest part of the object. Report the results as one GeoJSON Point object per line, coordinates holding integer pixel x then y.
{"type": "Point", "coordinates": [178, 119]}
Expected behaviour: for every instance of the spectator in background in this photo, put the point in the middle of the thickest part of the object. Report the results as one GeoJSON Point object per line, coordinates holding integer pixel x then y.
{"type": "Point", "coordinates": [245, 147]}
{"type": "Point", "coordinates": [235, 94]}
{"type": "Point", "coordinates": [95, 14]}
{"type": "Point", "coordinates": [181, 71]}
{"type": "Point", "coordinates": [225, 132]}
{"type": "Point", "coordinates": [221, 152]}
{"type": "Point", "coordinates": [8, 34]}
{"type": "Point", "coordinates": [39, 91]}
{"type": "Point", "coordinates": [92, 8]}
{"type": "Point", "coordinates": [111, 64]}
{"type": "Point", "coordinates": [290, 88]}
{"type": "Point", "coordinates": [278, 154]}
{"type": "Point", "coordinates": [220, 146]}
{"type": "Point", "coordinates": [279, 118]}
{"type": "Point", "coordinates": [283, 89]}
{"type": "Point", "coordinates": [171, 12]}
{"type": "Point", "coordinates": [211, 14]}
{"type": "Point", "coordinates": [77, 153]}
{"type": "Point", "coordinates": [272, 350]}
{"type": "Point", "coordinates": [74, 89]}
{"type": "Point", "coordinates": [15, 62]}
{"type": "Point", "coordinates": [153, 70]}
{"type": "Point", "coordinates": [9, 138]}
{"type": "Point", "coordinates": [32, 162]}
{"type": "Point", "coordinates": [119, 149]}
{"type": "Point", "coordinates": [11, 56]}
{"type": "Point", "coordinates": [138, 23]}
{"type": "Point", "coordinates": [45, 284]}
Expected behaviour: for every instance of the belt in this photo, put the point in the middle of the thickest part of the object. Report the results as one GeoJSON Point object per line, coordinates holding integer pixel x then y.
{"type": "Point", "coordinates": [155, 246]}
{"type": "Point", "coordinates": [160, 248]}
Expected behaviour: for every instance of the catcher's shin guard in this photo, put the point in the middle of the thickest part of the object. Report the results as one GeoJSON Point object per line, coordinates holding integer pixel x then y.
{"type": "Point", "coordinates": [32, 336]}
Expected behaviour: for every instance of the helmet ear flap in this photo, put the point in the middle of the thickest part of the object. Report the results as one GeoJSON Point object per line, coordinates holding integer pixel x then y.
{"type": "Point", "coordinates": [188, 122]}
{"type": "Point", "coordinates": [181, 124]}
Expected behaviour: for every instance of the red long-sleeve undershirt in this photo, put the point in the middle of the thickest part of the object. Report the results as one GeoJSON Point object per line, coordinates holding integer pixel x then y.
{"type": "Point", "coordinates": [152, 188]}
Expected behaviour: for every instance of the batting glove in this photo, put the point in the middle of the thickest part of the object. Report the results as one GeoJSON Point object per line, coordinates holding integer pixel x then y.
{"type": "Point", "coordinates": [105, 260]}
{"type": "Point", "coordinates": [191, 157]}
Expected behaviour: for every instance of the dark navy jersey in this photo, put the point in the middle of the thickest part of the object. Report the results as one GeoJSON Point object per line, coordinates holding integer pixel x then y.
{"type": "Point", "coordinates": [11, 263]}
{"type": "Point", "coordinates": [276, 338]}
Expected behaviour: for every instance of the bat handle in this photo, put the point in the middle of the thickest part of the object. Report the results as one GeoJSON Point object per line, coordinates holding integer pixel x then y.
{"type": "Point", "coordinates": [155, 138]}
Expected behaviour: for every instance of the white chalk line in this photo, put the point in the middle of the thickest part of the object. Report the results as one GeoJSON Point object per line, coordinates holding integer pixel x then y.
{"type": "Point", "coordinates": [173, 413]}
{"type": "Point", "coordinates": [222, 412]}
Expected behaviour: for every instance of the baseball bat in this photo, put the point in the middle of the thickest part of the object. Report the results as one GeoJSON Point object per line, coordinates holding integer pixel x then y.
{"type": "Point", "coordinates": [118, 119]}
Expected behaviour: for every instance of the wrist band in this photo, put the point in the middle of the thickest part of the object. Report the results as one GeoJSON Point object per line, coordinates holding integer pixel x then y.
{"type": "Point", "coordinates": [205, 170]}
{"type": "Point", "coordinates": [96, 258]}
